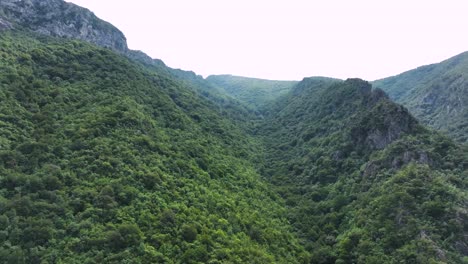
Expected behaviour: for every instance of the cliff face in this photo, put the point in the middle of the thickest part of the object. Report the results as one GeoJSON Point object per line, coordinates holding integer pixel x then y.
{"type": "Point", "coordinates": [383, 124]}
{"type": "Point", "coordinates": [62, 19]}
{"type": "Point", "coordinates": [58, 18]}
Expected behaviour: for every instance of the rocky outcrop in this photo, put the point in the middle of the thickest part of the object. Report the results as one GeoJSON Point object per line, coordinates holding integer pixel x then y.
{"type": "Point", "coordinates": [382, 125]}
{"type": "Point", "coordinates": [4, 25]}
{"type": "Point", "coordinates": [58, 18]}
{"type": "Point", "coordinates": [144, 58]}
{"type": "Point", "coordinates": [62, 19]}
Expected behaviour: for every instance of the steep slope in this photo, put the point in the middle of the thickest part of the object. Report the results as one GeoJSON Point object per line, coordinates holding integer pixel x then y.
{"type": "Point", "coordinates": [436, 94]}
{"type": "Point", "coordinates": [61, 19]}
{"type": "Point", "coordinates": [58, 18]}
{"type": "Point", "coordinates": [365, 182]}
{"type": "Point", "coordinates": [230, 107]}
{"type": "Point", "coordinates": [106, 160]}
{"type": "Point", "coordinates": [255, 93]}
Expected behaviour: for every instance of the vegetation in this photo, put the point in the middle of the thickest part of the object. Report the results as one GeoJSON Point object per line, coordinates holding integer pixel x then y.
{"type": "Point", "coordinates": [104, 160]}
{"type": "Point", "coordinates": [364, 181]}
{"type": "Point", "coordinates": [254, 93]}
{"type": "Point", "coordinates": [109, 159]}
{"type": "Point", "coordinates": [436, 94]}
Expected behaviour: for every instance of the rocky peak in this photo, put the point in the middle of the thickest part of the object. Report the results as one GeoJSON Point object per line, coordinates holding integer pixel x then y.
{"type": "Point", "coordinates": [62, 19]}
{"type": "Point", "coordinates": [362, 85]}
{"type": "Point", "coordinates": [384, 123]}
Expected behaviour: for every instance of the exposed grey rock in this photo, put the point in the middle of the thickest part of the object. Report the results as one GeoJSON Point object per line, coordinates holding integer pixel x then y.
{"type": "Point", "coordinates": [62, 19]}
{"type": "Point", "coordinates": [380, 138]}
{"type": "Point", "coordinates": [410, 156]}
{"type": "Point", "coordinates": [58, 18]}
{"type": "Point", "coordinates": [385, 123]}
{"type": "Point", "coordinates": [462, 246]}
{"type": "Point", "coordinates": [377, 95]}
{"type": "Point", "coordinates": [337, 155]}
{"type": "Point", "coordinates": [423, 158]}
{"type": "Point", "coordinates": [397, 162]}
{"type": "Point", "coordinates": [370, 169]}
{"type": "Point", "coordinates": [4, 25]}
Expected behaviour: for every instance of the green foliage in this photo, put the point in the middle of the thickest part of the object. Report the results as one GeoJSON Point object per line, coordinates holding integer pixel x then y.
{"type": "Point", "coordinates": [105, 160]}
{"type": "Point", "coordinates": [435, 94]}
{"type": "Point", "coordinates": [189, 233]}
{"type": "Point", "coordinates": [364, 182]}
{"type": "Point", "coordinates": [254, 93]}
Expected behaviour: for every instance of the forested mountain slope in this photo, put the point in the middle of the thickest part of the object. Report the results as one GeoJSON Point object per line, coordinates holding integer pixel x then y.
{"type": "Point", "coordinates": [105, 160]}
{"type": "Point", "coordinates": [365, 182]}
{"type": "Point", "coordinates": [436, 94]}
{"type": "Point", "coordinates": [109, 156]}
{"type": "Point", "coordinates": [254, 93]}
{"type": "Point", "coordinates": [58, 18]}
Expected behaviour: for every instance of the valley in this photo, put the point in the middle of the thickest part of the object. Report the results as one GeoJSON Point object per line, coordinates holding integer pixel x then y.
{"type": "Point", "coordinates": [109, 156]}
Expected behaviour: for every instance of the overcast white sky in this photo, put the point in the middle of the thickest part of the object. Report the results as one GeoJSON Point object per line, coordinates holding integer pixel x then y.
{"type": "Point", "coordinates": [289, 40]}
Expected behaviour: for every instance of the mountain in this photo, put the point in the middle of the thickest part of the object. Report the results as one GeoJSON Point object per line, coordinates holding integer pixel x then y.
{"type": "Point", "coordinates": [109, 156]}
{"type": "Point", "coordinates": [254, 93]}
{"type": "Point", "coordinates": [436, 94]}
{"type": "Point", "coordinates": [104, 158]}
{"type": "Point", "coordinates": [61, 19]}
{"type": "Point", "coordinates": [364, 181]}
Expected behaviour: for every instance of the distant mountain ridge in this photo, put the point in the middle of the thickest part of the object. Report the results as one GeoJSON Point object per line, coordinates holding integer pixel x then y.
{"type": "Point", "coordinates": [108, 160]}
{"type": "Point", "coordinates": [109, 156]}
{"type": "Point", "coordinates": [361, 176]}
{"type": "Point", "coordinates": [253, 92]}
{"type": "Point", "coordinates": [437, 94]}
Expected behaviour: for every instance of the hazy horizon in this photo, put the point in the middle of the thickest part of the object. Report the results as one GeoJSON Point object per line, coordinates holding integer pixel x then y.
{"type": "Point", "coordinates": [288, 41]}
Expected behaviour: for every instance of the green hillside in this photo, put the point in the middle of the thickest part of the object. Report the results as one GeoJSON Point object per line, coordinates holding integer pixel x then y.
{"type": "Point", "coordinates": [254, 93]}
{"type": "Point", "coordinates": [364, 181]}
{"type": "Point", "coordinates": [103, 160]}
{"type": "Point", "coordinates": [436, 94]}
{"type": "Point", "coordinates": [109, 156]}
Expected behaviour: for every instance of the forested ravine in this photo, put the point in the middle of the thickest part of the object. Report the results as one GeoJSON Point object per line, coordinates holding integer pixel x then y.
{"type": "Point", "coordinates": [109, 156]}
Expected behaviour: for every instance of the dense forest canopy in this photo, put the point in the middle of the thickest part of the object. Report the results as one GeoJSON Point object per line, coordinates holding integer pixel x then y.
{"type": "Point", "coordinates": [364, 182]}
{"type": "Point", "coordinates": [252, 92]}
{"type": "Point", "coordinates": [436, 94]}
{"type": "Point", "coordinates": [108, 156]}
{"type": "Point", "coordinates": [106, 160]}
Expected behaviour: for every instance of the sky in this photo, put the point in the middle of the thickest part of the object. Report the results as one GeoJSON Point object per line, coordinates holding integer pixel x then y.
{"type": "Point", "coordinates": [289, 40]}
